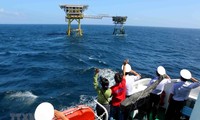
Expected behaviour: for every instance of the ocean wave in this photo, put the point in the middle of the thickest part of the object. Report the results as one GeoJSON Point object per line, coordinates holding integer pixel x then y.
{"type": "Point", "coordinates": [23, 97]}
{"type": "Point", "coordinates": [108, 74]}
{"type": "Point", "coordinates": [18, 53]}
{"type": "Point", "coordinates": [84, 100]}
{"type": "Point", "coordinates": [96, 59]}
{"type": "Point", "coordinates": [81, 60]}
{"type": "Point", "coordinates": [87, 100]}
{"type": "Point", "coordinates": [91, 58]}
{"type": "Point", "coordinates": [2, 53]}
{"type": "Point", "coordinates": [86, 69]}
{"type": "Point", "coordinates": [56, 38]}
{"type": "Point", "coordinates": [27, 94]}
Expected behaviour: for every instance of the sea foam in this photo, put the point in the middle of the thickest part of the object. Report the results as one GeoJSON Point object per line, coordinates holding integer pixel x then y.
{"type": "Point", "coordinates": [25, 97]}
{"type": "Point", "coordinates": [108, 74]}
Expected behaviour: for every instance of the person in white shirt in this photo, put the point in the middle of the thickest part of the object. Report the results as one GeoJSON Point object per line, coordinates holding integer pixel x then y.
{"type": "Point", "coordinates": [179, 94]}
{"type": "Point", "coordinates": [155, 95]}
{"type": "Point", "coordinates": [131, 77]}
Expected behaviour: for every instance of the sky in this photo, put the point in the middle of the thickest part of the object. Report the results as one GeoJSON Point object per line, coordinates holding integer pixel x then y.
{"type": "Point", "coordinates": [156, 13]}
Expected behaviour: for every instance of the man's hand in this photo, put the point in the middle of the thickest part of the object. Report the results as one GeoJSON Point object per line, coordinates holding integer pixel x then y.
{"type": "Point", "coordinates": [60, 115]}
{"type": "Point", "coordinates": [194, 79]}
{"type": "Point", "coordinates": [125, 62]}
{"type": "Point", "coordinates": [96, 71]}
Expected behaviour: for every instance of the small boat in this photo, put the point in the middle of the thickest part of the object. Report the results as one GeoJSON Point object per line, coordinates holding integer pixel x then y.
{"type": "Point", "coordinates": [81, 112]}
{"type": "Point", "coordinates": [45, 111]}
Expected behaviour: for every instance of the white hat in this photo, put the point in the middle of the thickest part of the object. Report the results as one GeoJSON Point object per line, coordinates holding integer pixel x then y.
{"type": "Point", "coordinates": [44, 111]}
{"type": "Point", "coordinates": [186, 74]}
{"type": "Point", "coordinates": [128, 68]}
{"type": "Point", "coordinates": [161, 70]}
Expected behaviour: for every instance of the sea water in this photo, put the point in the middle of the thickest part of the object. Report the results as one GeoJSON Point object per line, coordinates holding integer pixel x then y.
{"type": "Point", "coordinates": [39, 63]}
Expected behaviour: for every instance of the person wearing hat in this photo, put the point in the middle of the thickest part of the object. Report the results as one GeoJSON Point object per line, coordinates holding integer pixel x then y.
{"type": "Point", "coordinates": [126, 67]}
{"type": "Point", "coordinates": [155, 95]}
{"type": "Point", "coordinates": [103, 93]}
{"type": "Point", "coordinates": [179, 94]}
{"type": "Point", "coordinates": [46, 111]}
{"type": "Point", "coordinates": [131, 77]}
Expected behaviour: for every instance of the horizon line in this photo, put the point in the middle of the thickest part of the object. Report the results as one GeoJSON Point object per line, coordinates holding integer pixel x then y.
{"type": "Point", "coordinates": [99, 25]}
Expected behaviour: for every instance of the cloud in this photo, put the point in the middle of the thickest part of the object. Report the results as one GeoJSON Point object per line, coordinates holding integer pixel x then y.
{"type": "Point", "coordinates": [5, 12]}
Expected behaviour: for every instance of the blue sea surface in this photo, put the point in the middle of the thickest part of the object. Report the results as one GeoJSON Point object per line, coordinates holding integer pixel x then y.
{"type": "Point", "coordinates": [40, 63]}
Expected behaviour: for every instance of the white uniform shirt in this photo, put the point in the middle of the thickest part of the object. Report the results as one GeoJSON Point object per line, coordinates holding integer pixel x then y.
{"type": "Point", "coordinates": [128, 68]}
{"type": "Point", "coordinates": [181, 90]}
{"type": "Point", "coordinates": [130, 88]}
{"type": "Point", "coordinates": [160, 87]}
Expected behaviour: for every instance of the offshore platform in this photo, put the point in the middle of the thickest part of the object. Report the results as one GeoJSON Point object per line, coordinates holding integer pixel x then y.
{"type": "Point", "coordinates": [119, 24]}
{"type": "Point", "coordinates": [75, 12]}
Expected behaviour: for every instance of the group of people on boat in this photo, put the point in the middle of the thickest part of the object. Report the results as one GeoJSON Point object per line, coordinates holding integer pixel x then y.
{"type": "Point", "coordinates": [112, 97]}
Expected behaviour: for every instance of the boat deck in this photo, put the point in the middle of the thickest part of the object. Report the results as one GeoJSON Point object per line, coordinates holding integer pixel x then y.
{"type": "Point", "coordinates": [160, 115]}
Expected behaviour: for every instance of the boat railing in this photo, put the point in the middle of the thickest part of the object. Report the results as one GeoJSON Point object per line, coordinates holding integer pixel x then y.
{"type": "Point", "coordinates": [105, 112]}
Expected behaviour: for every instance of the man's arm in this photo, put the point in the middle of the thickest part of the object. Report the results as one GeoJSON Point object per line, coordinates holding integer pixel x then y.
{"type": "Point", "coordinates": [59, 114]}
{"type": "Point", "coordinates": [166, 76]}
{"type": "Point", "coordinates": [95, 82]}
{"type": "Point", "coordinates": [195, 83]}
{"type": "Point", "coordinates": [194, 79]}
{"type": "Point", "coordinates": [124, 66]}
{"type": "Point", "coordinates": [135, 73]}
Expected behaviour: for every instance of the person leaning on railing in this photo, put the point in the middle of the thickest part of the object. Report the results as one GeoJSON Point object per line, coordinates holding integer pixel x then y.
{"type": "Point", "coordinates": [103, 92]}
{"type": "Point", "coordinates": [179, 94]}
{"type": "Point", "coordinates": [155, 95]}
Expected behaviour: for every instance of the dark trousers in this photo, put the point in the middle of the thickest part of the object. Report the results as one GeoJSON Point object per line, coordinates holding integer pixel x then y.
{"type": "Point", "coordinates": [174, 110]}
{"type": "Point", "coordinates": [116, 113]}
{"type": "Point", "coordinates": [153, 106]}
{"type": "Point", "coordinates": [142, 106]}
{"type": "Point", "coordinates": [100, 110]}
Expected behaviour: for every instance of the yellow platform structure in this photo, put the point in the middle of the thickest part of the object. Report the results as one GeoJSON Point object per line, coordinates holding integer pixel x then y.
{"type": "Point", "coordinates": [74, 12]}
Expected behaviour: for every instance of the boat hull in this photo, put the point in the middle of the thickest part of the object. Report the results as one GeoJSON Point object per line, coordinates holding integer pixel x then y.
{"type": "Point", "coordinates": [80, 112]}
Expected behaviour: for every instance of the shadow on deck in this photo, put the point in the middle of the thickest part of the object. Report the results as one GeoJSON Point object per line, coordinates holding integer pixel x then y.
{"type": "Point", "coordinates": [160, 115]}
